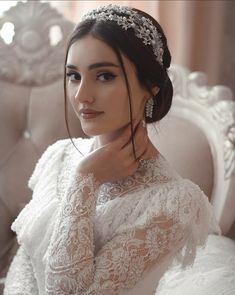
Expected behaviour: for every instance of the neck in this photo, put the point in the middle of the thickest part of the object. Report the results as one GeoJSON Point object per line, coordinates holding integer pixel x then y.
{"type": "Point", "coordinates": [104, 139]}
{"type": "Point", "coordinates": [101, 140]}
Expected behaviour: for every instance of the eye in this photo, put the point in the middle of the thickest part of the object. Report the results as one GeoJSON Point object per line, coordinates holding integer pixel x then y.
{"type": "Point", "coordinates": [106, 76]}
{"type": "Point", "coordinates": [73, 76]}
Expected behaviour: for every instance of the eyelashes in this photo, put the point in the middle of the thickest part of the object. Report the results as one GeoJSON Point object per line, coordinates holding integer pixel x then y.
{"type": "Point", "coordinates": [73, 76]}
{"type": "Point", "coordinates": [106, 76]}
{"type": "Point", "coordinates": [101, 76]}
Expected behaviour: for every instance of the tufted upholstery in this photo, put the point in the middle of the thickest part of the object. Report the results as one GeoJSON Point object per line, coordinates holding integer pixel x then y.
{"type": "Point", "coordinates": [197, 136]}
{"type": "Point", "coordinates": [31, 106]}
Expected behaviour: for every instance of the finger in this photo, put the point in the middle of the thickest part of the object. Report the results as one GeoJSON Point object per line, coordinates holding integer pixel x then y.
{"type": "Point", "coordinates": [142, 156]}
{"type": "Point", "coordinates": [142, 148]}
{"type": "Point", "coordinates": [141, 140]}
{"type": "Point", "coordinates": [140, 135]}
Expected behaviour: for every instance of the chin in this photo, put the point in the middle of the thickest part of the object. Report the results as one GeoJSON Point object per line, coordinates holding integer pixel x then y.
{"type": "Point", "coordinates": [108, 128]}
{"type": "Point", "coordinates": [92, 131]}
{"type": "Point", "coordinates": [99, 131]}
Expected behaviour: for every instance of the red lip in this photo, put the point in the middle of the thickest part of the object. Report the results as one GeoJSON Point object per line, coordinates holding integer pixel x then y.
{"type": "Point", "coordinates": [89, 113]}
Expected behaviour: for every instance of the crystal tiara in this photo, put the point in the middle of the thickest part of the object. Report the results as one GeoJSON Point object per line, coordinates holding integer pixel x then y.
{"type": "Point", "coordinates": [142, 26]}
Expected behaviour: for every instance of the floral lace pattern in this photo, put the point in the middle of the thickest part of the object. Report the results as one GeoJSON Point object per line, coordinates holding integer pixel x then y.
{"type": "Point", "coordinates": [72, 267]}
{"type": "Point", "coordinates": [105, 239]}
{"type": "Point", "coordinates": [71, 247]}
{"type": "Point", "coordinates": [149, 172]}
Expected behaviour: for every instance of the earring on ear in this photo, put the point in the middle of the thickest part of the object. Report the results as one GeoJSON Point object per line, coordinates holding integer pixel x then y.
{"type": "Point", "coordinates": [149, 108]}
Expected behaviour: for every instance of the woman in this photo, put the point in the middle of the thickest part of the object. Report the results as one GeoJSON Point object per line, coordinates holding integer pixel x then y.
{"type": "Point", "coordinates": [111, 218]}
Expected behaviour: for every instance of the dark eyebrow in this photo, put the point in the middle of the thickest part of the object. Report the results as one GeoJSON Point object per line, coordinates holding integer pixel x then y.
{"type": "Point", "coordinates": [95, 65]}
{"type": "Point", "coordinates": [102, 64]}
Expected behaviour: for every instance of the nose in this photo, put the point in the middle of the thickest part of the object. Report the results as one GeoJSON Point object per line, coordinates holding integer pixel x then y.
{"type": "Point", "coordinates": [84, 93]}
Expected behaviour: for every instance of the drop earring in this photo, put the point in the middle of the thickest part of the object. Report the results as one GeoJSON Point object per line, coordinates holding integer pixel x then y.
{"type": "Point", "coordinates": [149, 108]}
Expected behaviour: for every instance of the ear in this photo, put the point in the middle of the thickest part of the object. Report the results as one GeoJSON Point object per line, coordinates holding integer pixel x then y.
{"type": "Point", "coordinates": [155, 90]}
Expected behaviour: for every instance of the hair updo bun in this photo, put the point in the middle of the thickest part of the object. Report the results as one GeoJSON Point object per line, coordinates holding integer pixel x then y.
{"type": "Point", "coordinates": [150, 71]}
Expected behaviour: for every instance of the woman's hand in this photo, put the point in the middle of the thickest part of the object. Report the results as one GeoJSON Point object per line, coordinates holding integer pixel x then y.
{"type": "Point", "coordinates": [116, 159]}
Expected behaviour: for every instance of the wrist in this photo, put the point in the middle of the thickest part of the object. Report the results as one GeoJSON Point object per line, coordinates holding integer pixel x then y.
{"type": "Point", "coordinates": [82, 172]}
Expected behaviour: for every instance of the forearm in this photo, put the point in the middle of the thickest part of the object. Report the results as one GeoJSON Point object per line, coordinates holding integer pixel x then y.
{"type": "Point", "coordinates": [70, 265]}
{"type": "Point", "coordinates": [120, 264]}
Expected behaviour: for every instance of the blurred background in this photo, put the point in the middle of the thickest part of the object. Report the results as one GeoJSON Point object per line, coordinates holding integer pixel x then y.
{"type": "Point", "coordinates": [201, 33]}
{"type": "Point", "coordinates": [201, 37]}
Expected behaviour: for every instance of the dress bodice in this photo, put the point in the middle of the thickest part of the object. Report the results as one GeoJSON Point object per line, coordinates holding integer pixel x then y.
{"type": "Point", "coordinates": [155, 212]}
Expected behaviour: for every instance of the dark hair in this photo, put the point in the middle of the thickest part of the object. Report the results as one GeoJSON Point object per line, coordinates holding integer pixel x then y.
{"type": "Point", "coordinates": [149, 72]}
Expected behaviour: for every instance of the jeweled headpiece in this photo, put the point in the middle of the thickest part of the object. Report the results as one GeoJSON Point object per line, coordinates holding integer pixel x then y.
{"type": "Point", "coordinates": [142, 26]}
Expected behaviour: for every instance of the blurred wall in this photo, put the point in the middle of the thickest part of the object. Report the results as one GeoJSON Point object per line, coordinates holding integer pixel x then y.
{"type": "Point", "coordinates": [201, 33]}
{"type": "Point", "coordinates": [195, 32]}
{"type": "Point", "coordinates": [227, 66]}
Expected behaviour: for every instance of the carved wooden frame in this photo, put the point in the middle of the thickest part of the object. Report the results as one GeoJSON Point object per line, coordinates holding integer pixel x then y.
{"type": "Point", "coordinates": [212, 109]}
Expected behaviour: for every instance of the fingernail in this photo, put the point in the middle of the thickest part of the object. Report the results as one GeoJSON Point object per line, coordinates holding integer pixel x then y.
{"type": "Point", "coordinates": [143, 123]}
{"type": "Point", "coordinates": [135, 123]}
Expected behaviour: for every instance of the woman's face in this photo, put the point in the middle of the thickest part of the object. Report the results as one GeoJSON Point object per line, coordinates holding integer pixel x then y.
{"type": "Point", "coordinates": [97, 90]}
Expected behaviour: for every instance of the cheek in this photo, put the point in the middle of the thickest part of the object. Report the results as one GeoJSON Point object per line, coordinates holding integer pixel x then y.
{"type": "Point", "coordinates": [137, 107]}
{"type": "Point", "coordinates": [138, 95]}
{"type": "Point", "coordinates": [114, 96]}
{"type": "Point", "coordinates": [71, 93]}
{"type": "Point", "coordinates": [120, 103]}
{"type": "Point", "coordinates": [70, 97]}
{"type": "Point", "coordinates": [70, 90]}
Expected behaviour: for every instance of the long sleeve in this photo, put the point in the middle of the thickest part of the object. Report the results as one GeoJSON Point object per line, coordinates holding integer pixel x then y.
{"type": "Point", "coordinates": [20, 278]}
{"type": "Point", "coordinates": [79, 244]}
{"type": "Point", "coordinates": [72, 267]}
{"type": "Point", "coordinates": [70, 253]}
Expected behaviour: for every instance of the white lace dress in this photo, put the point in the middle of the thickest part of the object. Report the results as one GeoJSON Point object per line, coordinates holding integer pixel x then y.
{"type": "Point", "coordinates": [77, 237]}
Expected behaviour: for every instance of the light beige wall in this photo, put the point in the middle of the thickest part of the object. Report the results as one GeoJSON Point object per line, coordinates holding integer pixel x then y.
{"type": "Point", "coordinates": [195, 30]}
{"type": "Point", "coordinates": [227, 68]}
{"type": "Point", "coordinates": [195, 33]}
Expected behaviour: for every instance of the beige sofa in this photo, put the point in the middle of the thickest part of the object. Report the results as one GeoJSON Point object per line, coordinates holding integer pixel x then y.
{"type": "Point", "coordinates": [31, 105]}
{"type": "Point", "coordinates": [198, 135]}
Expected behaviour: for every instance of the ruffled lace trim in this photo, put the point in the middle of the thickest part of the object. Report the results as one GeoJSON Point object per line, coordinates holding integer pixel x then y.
{"type": "Point", "coordinates": [160, 210]}
{"type": "Point", "coordinates": [150, 172]}
{"type": "Point", "coordinates": [20, 278]}
{"type": "Point", "coordinates": [43, 183]}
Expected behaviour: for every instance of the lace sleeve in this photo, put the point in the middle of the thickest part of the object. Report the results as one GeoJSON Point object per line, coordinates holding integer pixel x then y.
{"type": "Point", "coordinates": [72, 267]}
{"type": "Point", "coordinates": [123, 261]}
{"type": "Point", "coordinates": [20, 278]}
